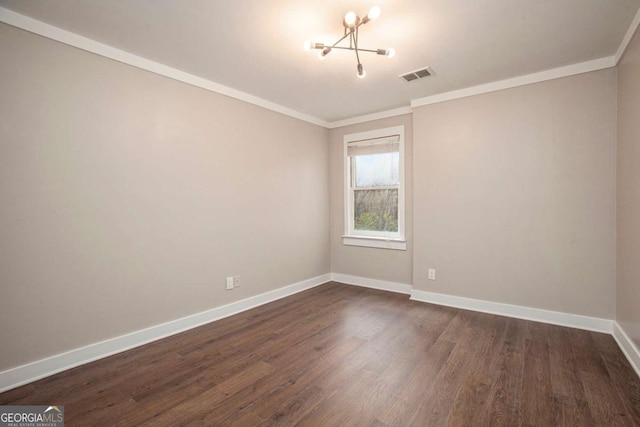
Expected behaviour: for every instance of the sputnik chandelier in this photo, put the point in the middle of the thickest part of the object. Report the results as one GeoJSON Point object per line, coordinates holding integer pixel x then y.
{"type": "Point", "coordinates": [352, 23]}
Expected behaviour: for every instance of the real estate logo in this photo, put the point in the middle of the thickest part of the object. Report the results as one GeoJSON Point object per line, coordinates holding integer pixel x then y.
{"type": "Point", "coordinates": [31, 416]}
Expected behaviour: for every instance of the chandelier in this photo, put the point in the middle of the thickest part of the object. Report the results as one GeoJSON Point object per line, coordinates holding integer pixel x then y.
{"type": "Point", "coordinates": [352, 23]}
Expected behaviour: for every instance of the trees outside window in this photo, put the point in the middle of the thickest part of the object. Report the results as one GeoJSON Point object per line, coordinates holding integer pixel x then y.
{"type": "Point", "coordinates": [374, 193]}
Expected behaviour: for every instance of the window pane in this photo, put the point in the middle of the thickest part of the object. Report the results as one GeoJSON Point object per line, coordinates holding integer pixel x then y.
{"type": "Point", "coordinates": [376, 210]}
{"type": "Point", "coordinates": [377, 169]}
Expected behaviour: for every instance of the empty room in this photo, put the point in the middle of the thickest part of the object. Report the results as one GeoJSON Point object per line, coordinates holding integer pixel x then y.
{"type": "Point", "coordinates": [339, 213]}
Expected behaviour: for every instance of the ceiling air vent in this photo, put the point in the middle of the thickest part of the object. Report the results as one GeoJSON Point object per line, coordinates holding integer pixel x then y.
{"type": "Point", "coordinates": [417, 74]}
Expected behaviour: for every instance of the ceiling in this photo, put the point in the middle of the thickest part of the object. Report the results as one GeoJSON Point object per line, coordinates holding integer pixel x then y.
{"type": "Point", "coordinates": [255, 46]}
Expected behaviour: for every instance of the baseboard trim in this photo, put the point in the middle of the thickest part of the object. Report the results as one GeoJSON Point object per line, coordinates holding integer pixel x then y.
{"type": "Point", "coordinates": [627, 346]}
{"type": "Point", "coordinates": [21, 375]}
{"type": "Point", "coordinates": [365, 282]}
{"type": "Point", "coordinates": [519, 312]}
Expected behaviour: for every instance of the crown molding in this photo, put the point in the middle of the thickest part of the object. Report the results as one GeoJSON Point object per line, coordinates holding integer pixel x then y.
{"type": "Point", "coordinates": [556, 73]}
{"type": "Point", "coordinates": [54, 33]}
{"type": "Point", "coordinates": [370, 117]}
{"type": "Point", "coordinates": [628, 36]}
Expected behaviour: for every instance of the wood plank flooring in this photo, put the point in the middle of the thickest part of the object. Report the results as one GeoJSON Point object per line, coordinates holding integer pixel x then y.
{"type": "Point", "coordinates": [339, 355]}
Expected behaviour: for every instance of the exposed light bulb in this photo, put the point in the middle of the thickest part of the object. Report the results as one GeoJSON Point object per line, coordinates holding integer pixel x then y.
{"type": "Point", "coordinates": [350, 18]}
{"type": "Point", "coordinates": [361, 72]}
{"type": "Point", "coordinates": [307, 45]}
{"type": "Point", "coordinates": [390, 52]}
{"type": "Point", "coordinates": [374, 12]}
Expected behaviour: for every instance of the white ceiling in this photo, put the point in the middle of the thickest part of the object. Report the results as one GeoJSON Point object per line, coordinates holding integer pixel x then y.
{"type": "Point", "coordinates": [255, 46]}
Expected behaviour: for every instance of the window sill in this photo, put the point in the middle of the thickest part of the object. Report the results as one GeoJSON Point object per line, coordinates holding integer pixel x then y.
{"type": "Point", "coordinates": [375, 242]}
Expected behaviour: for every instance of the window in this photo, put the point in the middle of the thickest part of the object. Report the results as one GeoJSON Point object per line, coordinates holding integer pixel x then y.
{"type": "Point", "coordinates": [374, 189]}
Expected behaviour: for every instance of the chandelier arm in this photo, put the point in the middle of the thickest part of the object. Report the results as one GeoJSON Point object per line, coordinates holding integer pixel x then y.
{"type": "Point", "coordinates": [356, 45]}
{"type": "Point", "coordinates": [352, 23]}
{"type": "Point", "coordinates": [362, 22]}
{"type": "Point", "coordinates": [343, 37]}
{"type": "Point", "coordinates": [359, 49]}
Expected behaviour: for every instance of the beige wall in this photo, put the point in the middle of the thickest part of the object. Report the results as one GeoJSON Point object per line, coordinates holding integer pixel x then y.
{"type": "Point", "coordinates": [514, 195]}
{"type": "Point", "coordinates": [628, 207]}
{"type": "Point", "coordinates": [127, 197]}
{"type": "Point", "coordinates": [380, 264]}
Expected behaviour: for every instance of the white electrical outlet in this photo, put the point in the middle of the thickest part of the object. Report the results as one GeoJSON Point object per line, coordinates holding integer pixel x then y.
{"type": "Point", "coordinates": [432, 274]}
{"type": "Point", "coordinates": [229, 282]}
{"type": "Point", "coordinates": [236, 281]}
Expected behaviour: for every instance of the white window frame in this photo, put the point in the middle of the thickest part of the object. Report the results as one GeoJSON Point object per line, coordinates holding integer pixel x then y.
{"type": "Point", "coordinates": [373, 239]}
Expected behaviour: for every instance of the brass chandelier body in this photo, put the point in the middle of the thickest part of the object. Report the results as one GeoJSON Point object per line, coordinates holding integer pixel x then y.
{"type": "Point", "coordinates": [352, 24]}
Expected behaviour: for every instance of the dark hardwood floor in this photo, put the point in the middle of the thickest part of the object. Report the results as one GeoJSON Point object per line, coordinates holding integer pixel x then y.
{"type": "Point", "coordinates": [338, 355]}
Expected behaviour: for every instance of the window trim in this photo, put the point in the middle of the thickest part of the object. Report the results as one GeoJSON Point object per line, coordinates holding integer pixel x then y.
{"type": "Point", "coordinates": [385, 240]}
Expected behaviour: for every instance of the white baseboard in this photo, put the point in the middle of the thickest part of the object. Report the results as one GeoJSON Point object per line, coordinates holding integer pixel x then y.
{"type": "Point", "coordinates": [30, 372]}
{"type": "Point", "coordinates": [519, 312]}
{"type": "Point", "coordinates": [382, 285]}
{"type": "Point", "coordinates": [627, 346]}
{"type": "Point", "coordinates": [34, 371]}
